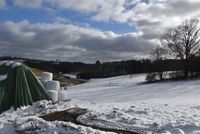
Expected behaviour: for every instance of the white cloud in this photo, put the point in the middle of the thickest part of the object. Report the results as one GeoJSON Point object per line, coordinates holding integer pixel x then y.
{"type": "Point", "coordinates": [68, 42]}
{"type": "Point", "coordinates": [2, 4]}
{"type": "Point", "coordinates": [154, 15]}
{"type": "Point", "coordinates": [124, 11]}
{"type": "Point", "coordinates": [104, 10]}
{"type": "Point", "coordinates": [33, 4]}
{"type": "Point", "coordinates": [164, 13]}
{"type": "Point", "coordinates": [152, 18]}
{"type": "Point", "coordinates": [59, 19]}
{"type": "Point", "coordinates": [85, 6]}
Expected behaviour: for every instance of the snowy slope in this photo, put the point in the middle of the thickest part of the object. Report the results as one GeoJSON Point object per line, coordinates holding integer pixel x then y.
{"type": "Point", "coordinates": [117, 102]}
{"type": "Point", "coordinates": [166, 107]}
{"type": "Point", "coordinates": [126, 89]}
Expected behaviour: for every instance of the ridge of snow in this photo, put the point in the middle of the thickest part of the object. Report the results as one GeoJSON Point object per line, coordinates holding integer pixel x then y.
{"type": "Point", "coordinates": [16, 64]}
{"type": "Point", "coordinates": [3, 77]}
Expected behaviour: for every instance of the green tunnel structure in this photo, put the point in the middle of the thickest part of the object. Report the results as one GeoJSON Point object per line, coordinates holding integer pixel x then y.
{"type": "Point", "coordinates": [19, 86]}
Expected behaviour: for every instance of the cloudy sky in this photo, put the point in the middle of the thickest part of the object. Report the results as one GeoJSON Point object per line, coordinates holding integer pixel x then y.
{"type": "Point", "coordinates": [88, 30]}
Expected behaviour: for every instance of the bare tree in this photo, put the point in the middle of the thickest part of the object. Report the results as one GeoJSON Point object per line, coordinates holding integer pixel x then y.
{"type": "Point", "coordinates": [183, 42]}
{"type": "Point", "coordinates": [158, 54]}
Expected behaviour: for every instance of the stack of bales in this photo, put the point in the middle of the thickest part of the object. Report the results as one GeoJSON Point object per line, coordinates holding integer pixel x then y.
{"type": "Point", "coordinates": [52, 87]}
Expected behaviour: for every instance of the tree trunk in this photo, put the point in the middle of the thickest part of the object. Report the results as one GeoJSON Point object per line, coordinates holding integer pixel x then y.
{"type": "Point", "coordinates": [186, 69]}
{"type": "Point", "coordinates": [160, 69]}
{"type": "Point", "coordinates": [186, 73]}
{"type": "Point", "coordinates": [161, 75]}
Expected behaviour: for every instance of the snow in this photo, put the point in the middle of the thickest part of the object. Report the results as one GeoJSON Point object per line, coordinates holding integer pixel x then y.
{"type": "Point", "coordinates": [165, 107]}
{"type": "Point", "coordinates": [16, 64]}
{"type": "Point", "coordinates": [2, 62]}
{"type": "Point", "coordinates": [70, 75]}
{"type": "Point", "coordinates": [3, 77]}
{"type": "Point", "coordinates": [28, 124]}
{"type": "Point", "coordinates": [121, 102]}
{"type": "Point", "coordinates": [26, 120]}
{"type": "Point", "coordinates": [8, 63]}
{"type": "Point", "coordinates": [129, 89]}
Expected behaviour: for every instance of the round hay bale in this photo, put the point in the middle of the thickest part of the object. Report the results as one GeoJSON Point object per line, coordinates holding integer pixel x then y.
{"type": "Point", "coordinates": [43, 82]}
{"type": "Point", "coordinates": [46, 76]}
{"type": "Point", "coordinates": [53, 95]}
{"type": "Point", "coordinates": [52, 85]}
{"type": "Point", "coordinates": [61, 95]}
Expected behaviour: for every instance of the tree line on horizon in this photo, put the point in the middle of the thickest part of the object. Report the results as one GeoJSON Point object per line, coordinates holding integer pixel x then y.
{"type": "Point", "coordinates": [109, 69]}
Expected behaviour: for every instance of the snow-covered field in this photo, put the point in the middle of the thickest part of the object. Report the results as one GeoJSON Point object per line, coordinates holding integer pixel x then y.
{"type": "Point", "coordinates": [166, 107]}
{"type": "Point", "coordinates": [70, 75]}
{"type": "Point", "coordinates": [117, 102]}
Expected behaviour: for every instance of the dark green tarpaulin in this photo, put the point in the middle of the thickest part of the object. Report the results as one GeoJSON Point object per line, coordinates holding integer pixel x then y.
{"type": "Point", "coordinates": [20, 88]}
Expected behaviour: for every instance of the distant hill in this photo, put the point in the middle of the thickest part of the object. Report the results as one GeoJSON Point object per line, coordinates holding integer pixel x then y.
{"type": "Point", "coordinates": [107, 69]}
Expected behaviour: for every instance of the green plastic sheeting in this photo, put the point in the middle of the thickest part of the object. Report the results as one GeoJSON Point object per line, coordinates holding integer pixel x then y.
{"type": "Point", "coordinates": [20, 87]}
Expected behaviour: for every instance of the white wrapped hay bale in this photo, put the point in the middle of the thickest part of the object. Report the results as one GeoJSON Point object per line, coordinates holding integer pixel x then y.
{"type": "Point", "coordinates": [46, 76]}
{"type": "Point", "coordinates": [53, 95]}
{"type": "Point", "coordinates": [61, 95]}
{"type": "Point", "coordinates": [52, 85]}
{"type": "Point", "coordinates": [43, 82]}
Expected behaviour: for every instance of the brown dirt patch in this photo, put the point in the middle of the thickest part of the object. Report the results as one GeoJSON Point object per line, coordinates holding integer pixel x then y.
{"type": "Point", "coordinates": [70, 115]}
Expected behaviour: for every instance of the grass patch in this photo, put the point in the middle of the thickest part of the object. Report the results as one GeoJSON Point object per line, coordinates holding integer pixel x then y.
{"type": "Point", "coordinates": [64, 81]}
